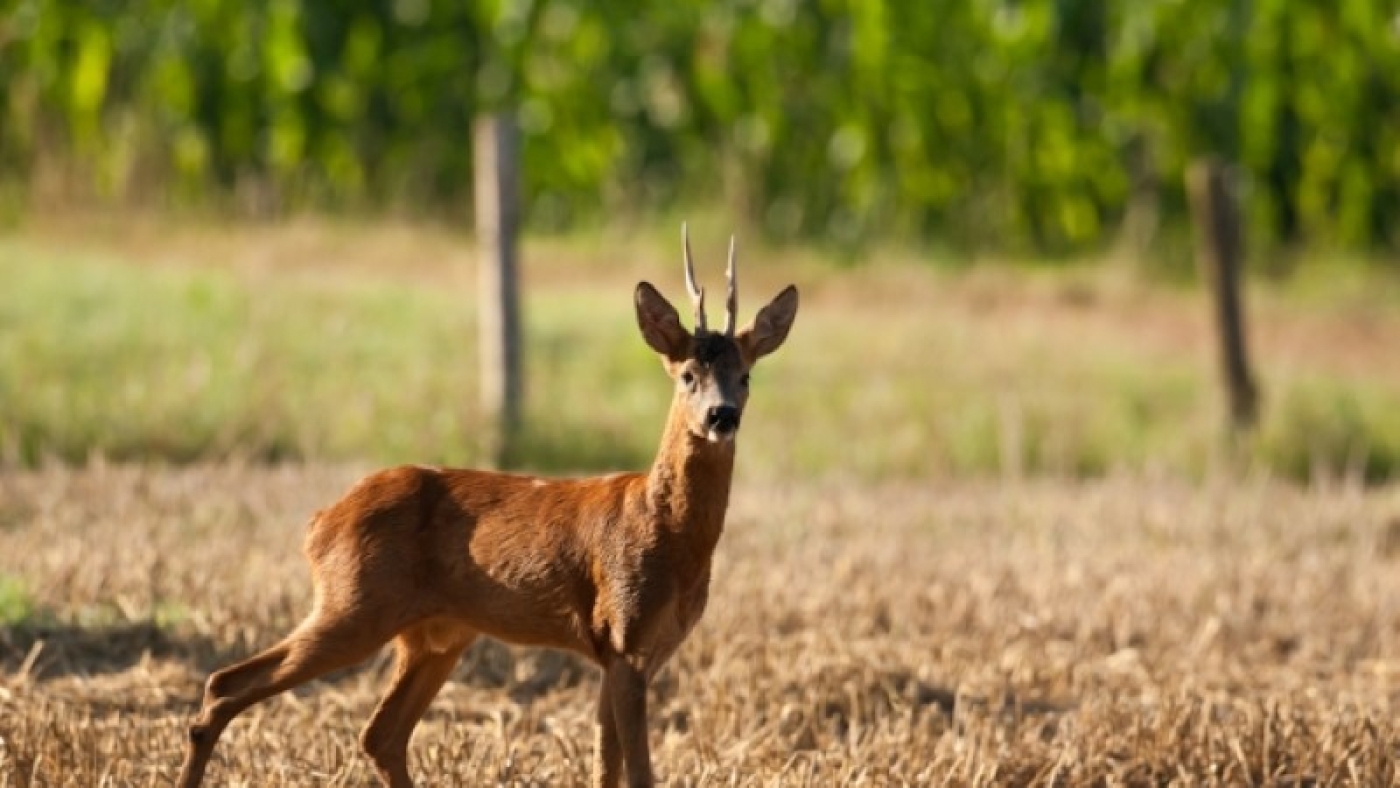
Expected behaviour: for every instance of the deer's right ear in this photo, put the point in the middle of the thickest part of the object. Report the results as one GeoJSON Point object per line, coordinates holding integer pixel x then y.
{"type": "Point", "coordinates": [770, 327]}
{"type": "Point", "coordinates": [660, 324]}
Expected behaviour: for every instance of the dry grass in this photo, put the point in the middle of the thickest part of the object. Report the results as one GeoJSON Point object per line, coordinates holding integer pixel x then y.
{"type": "Point", "coordinates": [1125, 631]}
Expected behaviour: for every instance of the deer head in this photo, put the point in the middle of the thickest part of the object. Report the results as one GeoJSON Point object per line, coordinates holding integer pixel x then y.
{"type": "Point", "coordinates": [711, 369]}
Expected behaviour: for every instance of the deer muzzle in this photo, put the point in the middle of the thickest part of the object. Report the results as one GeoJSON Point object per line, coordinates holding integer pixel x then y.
{"type": "Point", "coordinates": [722, 421]}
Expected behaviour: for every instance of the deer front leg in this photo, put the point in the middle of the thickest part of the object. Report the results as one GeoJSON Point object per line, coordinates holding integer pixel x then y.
{"type": "Point", "coordinates": [625, 688]}
{"type": "Point", "coordinates": [607, 750]}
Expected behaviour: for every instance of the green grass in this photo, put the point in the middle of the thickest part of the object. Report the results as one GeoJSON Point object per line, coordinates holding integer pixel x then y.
{"type": "Point", "coordinates": [1323, 427]}
{"type": "Point", "coordinates": [16, 601]}
{"type": "Point", "coordinates": [136, 362]}
{"type": "Point", "coordinates": [101, 357]}
{"type": "Point", "coordinates": [892, 371]}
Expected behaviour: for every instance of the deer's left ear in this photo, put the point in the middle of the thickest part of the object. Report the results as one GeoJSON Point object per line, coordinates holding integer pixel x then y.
{"type": "Point", "coordinates": [770, 327]}
{"type": "Point", "coordinates": [661, 326]}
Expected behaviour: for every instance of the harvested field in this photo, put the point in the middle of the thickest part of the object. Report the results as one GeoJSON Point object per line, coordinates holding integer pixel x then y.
{"type": "Point", "coordinates": [1125, 631]}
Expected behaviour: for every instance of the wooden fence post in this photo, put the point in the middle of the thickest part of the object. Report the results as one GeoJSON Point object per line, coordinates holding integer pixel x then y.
{"type": "Point", "coordinates": [1215, 213]}
{"type": "Point", "coordinates": [495, 160]}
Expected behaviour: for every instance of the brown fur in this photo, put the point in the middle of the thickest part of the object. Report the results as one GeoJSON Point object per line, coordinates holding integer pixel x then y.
{"type": "Point", "coordinates": [615, 568]}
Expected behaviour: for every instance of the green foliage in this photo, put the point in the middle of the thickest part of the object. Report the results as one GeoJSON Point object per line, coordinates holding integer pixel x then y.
{"type": "Point", "coordinates": [1018, 124]}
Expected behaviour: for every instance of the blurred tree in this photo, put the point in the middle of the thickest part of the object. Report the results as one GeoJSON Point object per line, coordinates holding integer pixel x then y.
{"type": "Point", "coordinates": [1021, 124]}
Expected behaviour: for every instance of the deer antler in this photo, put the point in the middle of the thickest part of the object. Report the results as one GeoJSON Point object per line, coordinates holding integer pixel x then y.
{"type": "Point", "coordinates": [731, 304]}
{"type": "Point", "coordinates": [697, 294]}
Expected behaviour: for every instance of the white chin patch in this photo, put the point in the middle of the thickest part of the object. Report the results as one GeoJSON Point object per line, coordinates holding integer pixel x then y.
{"type": "Point", "coordinates": [715, 436]}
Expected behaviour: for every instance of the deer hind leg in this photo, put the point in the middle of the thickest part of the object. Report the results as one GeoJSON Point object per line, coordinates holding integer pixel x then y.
{"type": "Point", "coordinates": [426, 655]}
{"type": "Point", "coordinates": [319, 645]}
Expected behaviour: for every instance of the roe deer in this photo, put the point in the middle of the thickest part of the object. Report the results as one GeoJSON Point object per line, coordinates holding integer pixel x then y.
{"type": "Point", "coordinates": [616, 568]}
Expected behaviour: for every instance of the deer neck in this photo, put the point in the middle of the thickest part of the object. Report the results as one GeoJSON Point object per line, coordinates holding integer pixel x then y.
{"type": "Point", "coordinates": [688, 486]}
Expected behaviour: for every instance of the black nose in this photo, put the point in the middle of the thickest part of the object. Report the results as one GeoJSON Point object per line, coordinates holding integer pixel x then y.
{"type": "Point", "coordinates": [723, 418]}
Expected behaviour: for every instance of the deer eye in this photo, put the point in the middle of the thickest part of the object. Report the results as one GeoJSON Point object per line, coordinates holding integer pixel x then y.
{"type": "Point", "coordinates": [688, 378]}
{"type": "Point", "coordinates": [744, 380]}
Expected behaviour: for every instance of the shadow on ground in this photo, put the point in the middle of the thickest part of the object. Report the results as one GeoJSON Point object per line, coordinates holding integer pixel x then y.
{"type": "Point", "coordinates": [52, 651]}
{"type": "Point", "coordinates": [840, 697]}
{"type": "Point", "coordinates": [49, 652]}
